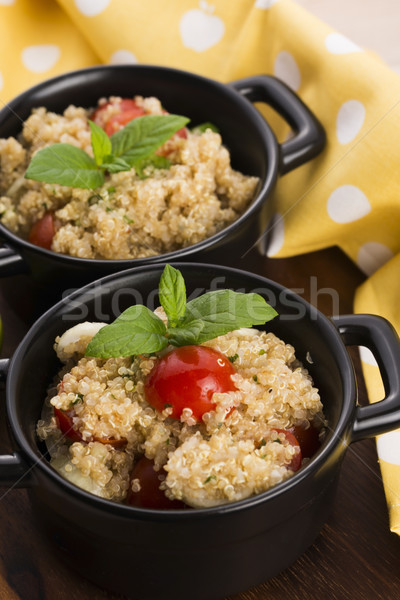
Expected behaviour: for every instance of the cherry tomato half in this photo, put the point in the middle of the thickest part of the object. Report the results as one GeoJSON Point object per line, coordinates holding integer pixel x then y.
{"type": "Point", "coordinates": [43, 231]}
{"type": "Point", "coordinates": [128, 110]}
{"type": "Point", "coordinates": [150, 495]}
{"type": "Point", "coordinates": [307, 438]}
{"type": "Point", "coordinates": [187, 377]}
{"type": "Point", "coordinates": [182, 133]}
{"type": "Point", "coordinates": [118, 121]}
{"type": "Point", "coordinates": [295, 463]}
{"type": "Point", "coordinates": [98, 115]}
{"type": "Point", "coordinates": [65, 424]}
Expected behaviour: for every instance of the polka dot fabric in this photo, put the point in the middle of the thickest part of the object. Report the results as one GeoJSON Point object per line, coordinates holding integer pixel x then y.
{"type": "Point", "coordinates": [37, 41]}
{"type": "Point", "coordinates": [347, 197]}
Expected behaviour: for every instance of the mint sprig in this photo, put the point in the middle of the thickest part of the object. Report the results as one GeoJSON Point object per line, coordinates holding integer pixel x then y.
{"type": "Point", "coordinates": [133, 146]}
{"type": "Point", "coordinates": [139, 331]}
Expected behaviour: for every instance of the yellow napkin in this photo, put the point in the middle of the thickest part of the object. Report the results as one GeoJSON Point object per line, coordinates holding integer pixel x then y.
{"type": "Point", "coordinates": [348, 196]}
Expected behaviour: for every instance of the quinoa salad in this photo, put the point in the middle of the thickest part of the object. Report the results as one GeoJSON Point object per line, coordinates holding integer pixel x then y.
{"type": "Point", "coordinates": [132, 214]}
{"type": "Point", "coordinates": [243, 446]}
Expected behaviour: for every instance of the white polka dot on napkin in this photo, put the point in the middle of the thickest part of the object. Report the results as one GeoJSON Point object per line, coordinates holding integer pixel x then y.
{"type": "Point", "coordinates": [286, 69]}
{"type": "Point", "coordinates": [336, 43]}
{"type": "Point", "coordinates": [91, 8]}
{"type": "Point", "coordinates": [350, 120]}
{"type": "Point", "coordinates": [40, 58]}
{"type": "Point", "coordinates": [200, 29]}
{"type": "Point", "coordinates": [347, 204]}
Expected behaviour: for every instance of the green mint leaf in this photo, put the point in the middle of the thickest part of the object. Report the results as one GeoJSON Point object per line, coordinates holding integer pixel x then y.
{"type": "Point", "coordinates": [136, 331]}
{"type": "Point", "coordinates": [202, 127]}
{"type": "Point", "coordinates": [172, 293]}
{"type": "Point", "coordinates": [225, 310]}
{"type": "Point", "coordinates": [143, 316]}
{"type": "Point", "coordinates": [156, 161]}
{"type": "Point", "coordinates": [101, 143]}
{"type": "Point", "coordinates": [159, 162]}
{"type": "Point", "coordinates": [66, 165]}
{"type": "Point", "coordinates": [115, 165]}
{"type": "Point", "coordinates": [144, 135]}
{"type": "Point", "coordinates": [184, 336]}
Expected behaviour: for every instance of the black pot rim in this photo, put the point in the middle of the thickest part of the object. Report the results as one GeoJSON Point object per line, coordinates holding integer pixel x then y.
{"type": "Point", "coordinates": [271, 148]}
{"type": "Point", "coordinates": [339, 434]}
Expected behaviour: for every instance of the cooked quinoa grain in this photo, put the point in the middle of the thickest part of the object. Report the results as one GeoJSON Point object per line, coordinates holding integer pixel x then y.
{"type": "Point", "coordinates": [129, 216]}
{"type": "Point", "coordinates": [238, 449]}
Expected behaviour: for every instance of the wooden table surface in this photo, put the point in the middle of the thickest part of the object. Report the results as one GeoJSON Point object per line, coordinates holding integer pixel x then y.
{"type": "Point", "coordinates": [355, 556]}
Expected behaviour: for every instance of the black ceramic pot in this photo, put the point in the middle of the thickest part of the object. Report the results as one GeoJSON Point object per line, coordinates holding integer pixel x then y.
{"type": "Point", "coordinates": [209, 553]}
{"type": "Point", "coordinates": [253, 146]}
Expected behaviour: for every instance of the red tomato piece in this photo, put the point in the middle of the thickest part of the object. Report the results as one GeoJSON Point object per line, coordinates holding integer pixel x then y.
{"type": "Point", "coordinates": [150, 495]}
{"type": "Point", "coordinates": [43, 231]}
{"type": "Point", "coordinates": [129, 104]}
{"type": "Point", "coordinates": [128, 110]}
{"type": "Point", "coordinates": [124, 105]}
{"type": "Point", "coordinates": [295, 463]}
{"type": "Point", "coordinates": [98, 115]}
{"type": "Point", "coordinates": [187, 377]}
{"type": "Point", "coordinates": [307, 438]}
{"type": "Point", "coordinates": [66, 425]}
{"type": "Point", "coordinates": [118, 121]}
{"type": "Point", "coordinates": [182, 133]}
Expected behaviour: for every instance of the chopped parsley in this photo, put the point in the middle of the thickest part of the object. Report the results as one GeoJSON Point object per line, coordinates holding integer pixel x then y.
{"type": "Point", "coordinates": [93, 199]}
{"type": "Point", "coordinates": [78, 398]}
{"type": "Point", "coordinates": [209, 478]}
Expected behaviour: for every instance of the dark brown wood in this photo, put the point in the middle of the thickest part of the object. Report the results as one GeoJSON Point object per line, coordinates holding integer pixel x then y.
{"type": "Point", "coordinates": [355, 556]}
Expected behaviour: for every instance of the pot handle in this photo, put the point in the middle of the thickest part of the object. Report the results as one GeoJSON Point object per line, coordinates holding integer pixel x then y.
{"type": "Point", "coordinates": [4, 364]}
{"type": "Point", "coordinates": [378, 335]}
{"type": "Point", "coordinates": [11, 263]}
{"type": "Point", "coordinates": [14, 471]}
{"type": "Point", "coordinates": [309, 136]}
